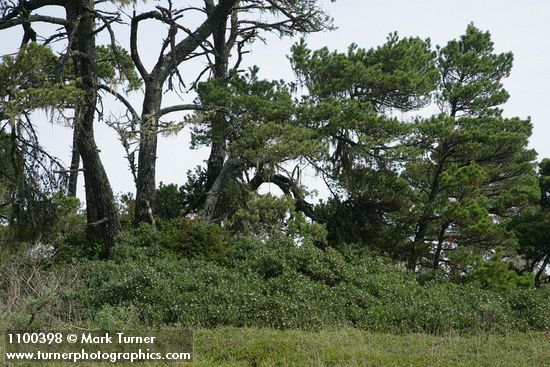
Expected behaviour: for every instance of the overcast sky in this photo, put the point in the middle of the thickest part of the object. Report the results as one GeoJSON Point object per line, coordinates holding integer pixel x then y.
{"type": "Point", "coordinates": [522, 27]}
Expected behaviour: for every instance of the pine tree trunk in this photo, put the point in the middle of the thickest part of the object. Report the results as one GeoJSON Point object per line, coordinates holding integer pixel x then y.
{"type": "Point", "coordinates": [218, 127]}
{"type": "Point", "coordinates": [102, 214]}
{"type": "Point", "coordinates": [75, 158]}
{"type": "Point", "coordinates": [213, 196]}
{"type": "Point", "coordinates": [147, 158]}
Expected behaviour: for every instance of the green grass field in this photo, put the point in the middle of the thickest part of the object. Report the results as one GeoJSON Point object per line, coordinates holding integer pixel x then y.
{"type": "Point", "coordinates": [246, 347]}
{"type": "Point", "coordinates": [350, 347]}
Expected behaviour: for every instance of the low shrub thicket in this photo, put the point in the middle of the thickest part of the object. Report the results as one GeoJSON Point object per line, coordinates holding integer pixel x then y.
{"type": "Point", "coordinates": [194, 275]}
{"type": "Point", "coordinates": [274, 283]}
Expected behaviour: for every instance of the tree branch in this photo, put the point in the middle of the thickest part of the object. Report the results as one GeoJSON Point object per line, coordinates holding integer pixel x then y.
{"type": "Point", "coordinates": [121, 98]}
{"type": "Point", "coordinates": [179, 53]}
{"type": "Point", "coordinates": [133, 43]}
{"type": "Point", "coordinates": [30, 6]}
{"type": "Point", "coordinates": [8, 23]}
{"type": "Point", "coordinates": [289, 187]}
{"type": "Point", "coordinates": [182, 107]}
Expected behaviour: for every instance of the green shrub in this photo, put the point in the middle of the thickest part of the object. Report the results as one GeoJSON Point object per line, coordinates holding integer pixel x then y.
{"type": "Point", "coordinates": [76, 246]}
{"type": "Point", "coordinates": [194, 239]}
{"type": "Point", "coordinates": [497, 274]}
{"type": "Point", "coordinates": [116, 318]}
{"type": "Point", "coordinates": [191, 274]}
{"type": "Point", "coordinates": [274, 283]}
{"type": "Point", "coordinates": [179, 238]}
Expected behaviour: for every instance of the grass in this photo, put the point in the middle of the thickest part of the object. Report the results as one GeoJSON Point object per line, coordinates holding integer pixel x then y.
{"type": "Point", "coordinates": [351, 347]}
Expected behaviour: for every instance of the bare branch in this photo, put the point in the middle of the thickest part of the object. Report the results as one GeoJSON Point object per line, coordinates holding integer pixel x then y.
{"type": "Point", "coordinates": [8, 23]}
{"type": "Point", "coordinates": [30, 6]}
{"type": "Point", "coordinates": [182, 107]}
{"type": "Point", "coordinates": [133, 43]}
{"type": "Point", "coordinates": [120, 97]}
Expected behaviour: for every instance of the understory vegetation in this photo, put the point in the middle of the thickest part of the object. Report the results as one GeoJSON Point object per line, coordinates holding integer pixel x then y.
{"type": "Point", "coordinates": [192, 274]}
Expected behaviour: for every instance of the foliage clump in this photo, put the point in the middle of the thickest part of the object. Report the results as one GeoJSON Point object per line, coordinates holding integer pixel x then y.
{"type": "Point", "coordinates": [259, 282]}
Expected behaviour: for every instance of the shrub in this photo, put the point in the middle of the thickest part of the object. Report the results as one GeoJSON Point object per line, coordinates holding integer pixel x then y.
{"type": "Point", "coordinates": [116, 318]}
{"type": "Point", "coordinates": [193, 275]}
{"type": "Point", "coordinates": [179, 238]}
{"type": "Point", "coordinates": [274, 283]}
{"type": "Point", "coordinates": [194, 239]}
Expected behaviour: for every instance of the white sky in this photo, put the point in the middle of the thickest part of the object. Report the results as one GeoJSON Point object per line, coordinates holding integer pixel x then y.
{"type": "Point", "coordinates": [522, 27]}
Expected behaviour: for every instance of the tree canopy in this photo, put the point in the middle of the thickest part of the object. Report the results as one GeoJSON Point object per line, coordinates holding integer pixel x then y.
{"type": "Point", "coordinates": [409, 138]}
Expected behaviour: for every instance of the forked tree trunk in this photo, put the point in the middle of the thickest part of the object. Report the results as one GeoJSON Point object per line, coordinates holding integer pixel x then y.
{"type": "Point", "coordinates": [154, 81]}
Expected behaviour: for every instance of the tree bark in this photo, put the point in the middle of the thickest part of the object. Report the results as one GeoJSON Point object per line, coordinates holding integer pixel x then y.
{"type": "Point", "coordinates": [541, 271]}
{"type": "Point", "coordinates": [102, 215]}
{"type": "Point", "coordinates": [147, 157]}
{"type": "Point", "coordinates": [75, 158]}
{"type": "Point", "coordinates": [422, 228]}
{"type": "Point", "coordinates": [212, 198]}
{"type": "Point", "coordinates": [439, 249]}
{"type": "Point", "coordinates": [218, 123]}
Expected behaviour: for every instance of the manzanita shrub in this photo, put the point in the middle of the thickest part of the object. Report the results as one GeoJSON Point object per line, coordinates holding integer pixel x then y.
{"type": "Point", "coordinates": [276, 283]}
